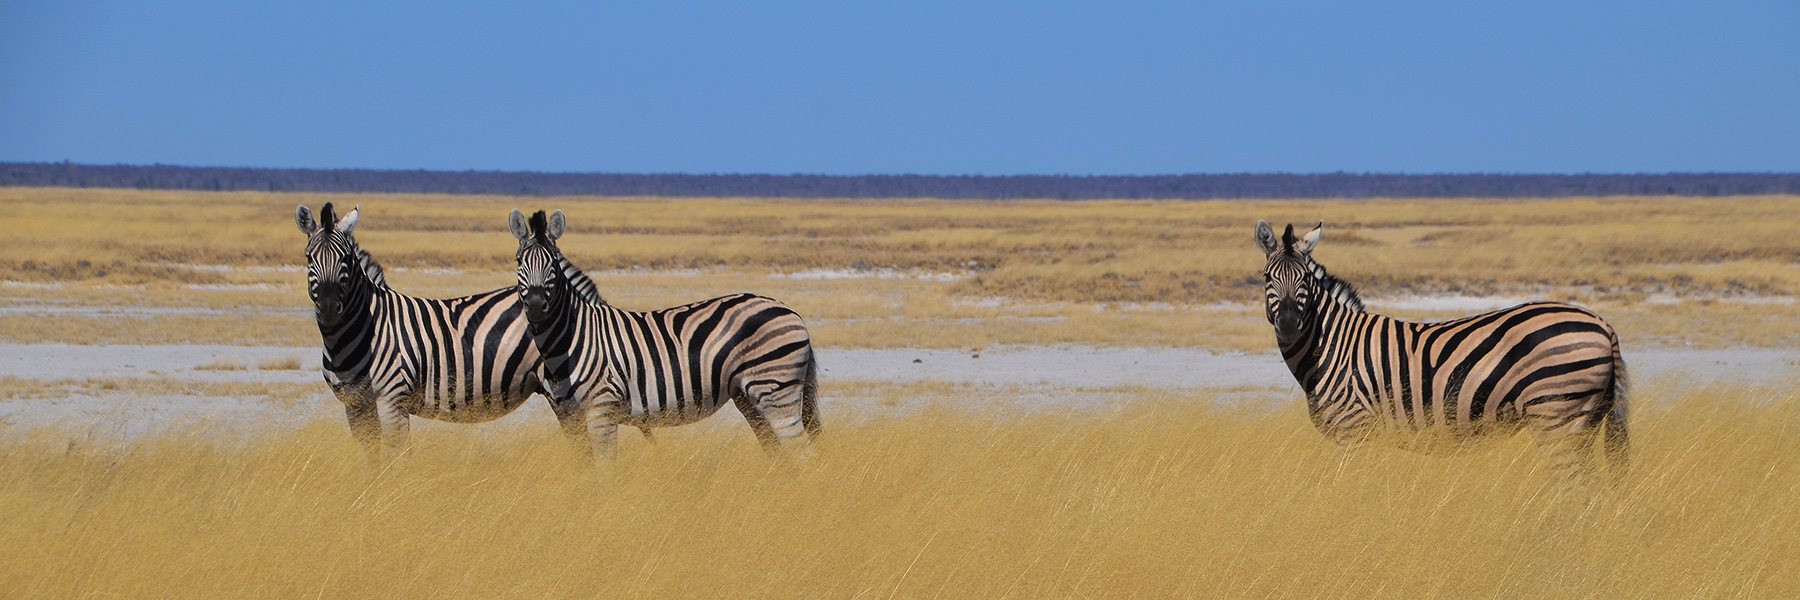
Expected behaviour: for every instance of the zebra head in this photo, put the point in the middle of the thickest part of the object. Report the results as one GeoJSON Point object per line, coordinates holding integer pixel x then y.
{"type": "Point", "coordinates": [1290, 292]}
{"type": "Point", "coordinates": [331, 261]}
{"type": "Point", "coordinates": [541, 278]}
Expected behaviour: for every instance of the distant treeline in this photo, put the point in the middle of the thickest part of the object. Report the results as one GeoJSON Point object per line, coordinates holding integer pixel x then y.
{"type": "Point", "coordinates": [1073, 187]}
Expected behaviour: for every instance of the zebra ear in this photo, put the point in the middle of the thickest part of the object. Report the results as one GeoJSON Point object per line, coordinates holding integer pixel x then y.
{"type": "Point", "coordinates": [304, 218]}
{"type": "Point", "coordinates": [516, 222]}
{"type": "Point", "coordinates": [1312, 239]}
{"type": "Point", "coordinates": [555, 230]}
{"type": "Point", "coordinates": [1265, 237]}
{"type": "Point", "coordinates": [348, 223]}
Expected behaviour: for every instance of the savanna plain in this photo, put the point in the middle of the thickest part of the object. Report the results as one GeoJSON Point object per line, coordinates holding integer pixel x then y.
{"type": "Point", "coordinates": [922, 485]}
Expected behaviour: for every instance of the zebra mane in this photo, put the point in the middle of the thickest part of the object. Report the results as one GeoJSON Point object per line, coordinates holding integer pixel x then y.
{"type": "Point", "coordinates": [371, 269]}
{"type": "Point", "coordinates": [1337, 288]}
{"type": "Point", "coordinates": [579, 281]}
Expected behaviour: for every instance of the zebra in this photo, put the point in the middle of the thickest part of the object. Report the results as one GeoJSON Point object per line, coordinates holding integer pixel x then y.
{"type": "Point", "coordinates": [388, 355]}
{"type": "Point", "coordinates": [664, 367]}
{"type": "Point", "coordinates": [1551, 367]}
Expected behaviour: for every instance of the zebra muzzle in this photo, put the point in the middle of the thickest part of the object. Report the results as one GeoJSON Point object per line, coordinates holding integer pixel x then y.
{"type": "Point", "coordinates": [536, 300]}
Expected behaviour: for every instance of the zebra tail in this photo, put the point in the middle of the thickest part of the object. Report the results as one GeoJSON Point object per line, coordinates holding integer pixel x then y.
{"type": "Point", "coordinates": [1617, 441]}
{"type": "Point", "coordinates": [809, 396]}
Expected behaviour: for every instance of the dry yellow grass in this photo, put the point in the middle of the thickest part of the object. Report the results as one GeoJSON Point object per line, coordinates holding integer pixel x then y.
{"type": "Point", "coordinates": [1165, 496]}
{"type": "Point", "coordinates": [178, 329]}
{"type": "Point", "coordinates": [1102, 273]}
{"type": "Point", "coordinates": [1084, 251]}
{"type": "Point", "coordinates": [1162, 497]}
{"type": "Point", "coordinates": [23, 389]}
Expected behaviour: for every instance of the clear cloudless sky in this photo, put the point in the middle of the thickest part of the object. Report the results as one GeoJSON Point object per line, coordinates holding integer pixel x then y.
{"type": "Point", "coordinates": [916, 86]}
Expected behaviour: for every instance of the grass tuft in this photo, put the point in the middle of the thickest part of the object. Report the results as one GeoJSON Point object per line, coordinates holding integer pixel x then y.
{"type": "Point", "coordinates": [290, 363]}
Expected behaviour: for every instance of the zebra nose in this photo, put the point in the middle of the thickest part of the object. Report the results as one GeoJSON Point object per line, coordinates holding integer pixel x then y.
{"type": "Point", "coordinates": [1287, 329]}
{"type": "Point", "coordinates": [327, 309]}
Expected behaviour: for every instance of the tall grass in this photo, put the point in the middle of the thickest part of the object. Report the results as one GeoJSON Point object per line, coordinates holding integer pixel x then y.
{"type": "Point", "coordinates": [1162, 497]}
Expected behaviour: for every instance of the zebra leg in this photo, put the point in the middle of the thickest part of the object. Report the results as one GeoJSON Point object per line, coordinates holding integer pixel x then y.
{"type": "Point", "coordinates": [1566, 427]}
{"type": "Point", "coordinates": [604, 413]}
{"type": "Point", "coordinates": [1351, 444]}
{"type": "Point", "coordinates": [775, 414]}
{"type": "Point", "coordinates": [573, 420]}
{"type": "Point", "coordinates": [648, 437]}
{"type": "Point", "coordinates": [1351, 439]}
{"type": "Point", "coordinates": [390, 413]}
{"type": "Point", "coordinates": [365, 427]}
{"type": "Point", "coordinates": [758, 424]}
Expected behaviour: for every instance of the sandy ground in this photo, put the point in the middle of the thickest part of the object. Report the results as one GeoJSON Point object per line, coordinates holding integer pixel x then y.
{"type": "Point", "coordinates": [1016, 376]}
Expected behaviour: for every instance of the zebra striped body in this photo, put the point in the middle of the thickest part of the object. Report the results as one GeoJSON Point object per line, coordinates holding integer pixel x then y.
{"type": "Point", "coordinates": [462, 360]}
{"type": "Point", "coordinates": [388, 355]}
{"type": "Point", "coordinates": [1551, 367]}
{"type": "Point", "coordinates": [664, 367]}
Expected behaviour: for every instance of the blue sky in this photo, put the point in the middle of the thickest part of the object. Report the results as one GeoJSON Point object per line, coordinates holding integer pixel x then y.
{"type": "Point", "coordinates": [907, 87]}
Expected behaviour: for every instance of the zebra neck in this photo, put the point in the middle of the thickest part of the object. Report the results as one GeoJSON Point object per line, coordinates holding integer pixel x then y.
{"type": "Point", "coordinates": [556, 336]}
{"type": "Point", "coordinates": [1302, 358]}
{"type": "Point", "coordinates": [577, 300]}
{"type": "Point", "coordinates": [1316, 354]}
{"type": "Point", "coordinates": [347, 344]}
{"type": "Point", "coordinates": [1326, 348]}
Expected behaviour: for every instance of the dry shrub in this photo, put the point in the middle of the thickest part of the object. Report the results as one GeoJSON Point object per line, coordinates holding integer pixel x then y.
{"type": "Point", "coordinates": [290, 363]}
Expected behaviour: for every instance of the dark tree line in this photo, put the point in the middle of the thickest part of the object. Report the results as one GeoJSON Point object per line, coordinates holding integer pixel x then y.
{"type": "Point", "coordinates": [1072, 187]}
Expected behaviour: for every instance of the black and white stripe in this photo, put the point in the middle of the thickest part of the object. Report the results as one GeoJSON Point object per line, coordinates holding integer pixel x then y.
{"type": "Point", "coordinates": [664, 367]}
{"type": "Point", "coordinates": [1549, 367]}
{"type": "Point", "coordinates": [389, 355]}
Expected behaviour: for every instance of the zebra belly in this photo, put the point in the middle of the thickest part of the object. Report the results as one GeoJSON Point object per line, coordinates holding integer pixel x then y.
{"type": "Point", "coordinates": [460, 395]}
{"type": "Point", "coordinates": [1441, 441]}
{"type": "Point", "coordinates": [479, 410]}
{"type": "Point", "coordinates": [1387, 421]}
{"type": "Point", "coordinates": [655, 413]}
{"type": "Point", "coordinates": [478, 401]}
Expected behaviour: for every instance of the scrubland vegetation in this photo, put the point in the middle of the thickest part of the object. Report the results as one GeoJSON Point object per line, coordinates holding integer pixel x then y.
{"type": "Point", "coordinates": [918, 489]}
{"type": "Point", "coordinates": [925, 273]}
{"type": "Point", "coordinates": [1160, 496]}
